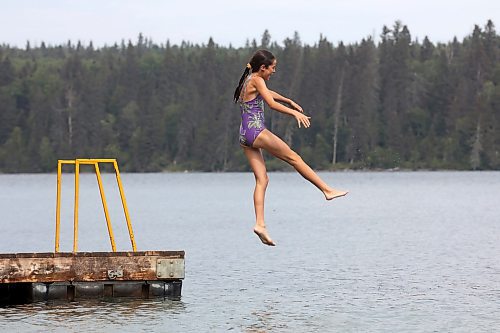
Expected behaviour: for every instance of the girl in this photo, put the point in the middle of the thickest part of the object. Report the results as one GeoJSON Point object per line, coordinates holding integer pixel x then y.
{"type": "Point", "coordinates": [251, 93]}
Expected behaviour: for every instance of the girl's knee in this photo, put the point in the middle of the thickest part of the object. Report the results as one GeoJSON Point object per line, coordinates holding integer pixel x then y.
{"type": "Point", "coordinates": [262, 180]}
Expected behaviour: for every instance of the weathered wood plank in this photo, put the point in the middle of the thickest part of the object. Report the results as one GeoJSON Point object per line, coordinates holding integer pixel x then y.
{"type": "Point", "coordinates": [88, 266]}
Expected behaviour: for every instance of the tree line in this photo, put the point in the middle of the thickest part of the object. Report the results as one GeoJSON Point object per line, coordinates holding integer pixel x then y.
{"type": "Point", "coordinates": [395, 103]}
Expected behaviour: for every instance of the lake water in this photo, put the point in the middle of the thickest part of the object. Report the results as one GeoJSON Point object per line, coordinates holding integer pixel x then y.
{"type": "Point", "coordinates": [403, 252]}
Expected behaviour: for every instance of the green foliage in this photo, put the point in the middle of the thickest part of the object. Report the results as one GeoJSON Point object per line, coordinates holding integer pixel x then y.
{"type": "Point", "coordinates": [396, 104]}
{"type": "Point", "coordinates": [385, 158]}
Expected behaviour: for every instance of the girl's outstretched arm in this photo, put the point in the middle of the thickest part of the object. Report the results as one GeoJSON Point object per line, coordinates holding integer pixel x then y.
{"type": "Point", "coordinates": [279, 98]}
{"type": "Point", "coordinates": [268, 97]}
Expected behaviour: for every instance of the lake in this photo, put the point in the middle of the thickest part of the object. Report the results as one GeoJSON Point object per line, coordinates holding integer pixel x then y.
{"type": "Point", "coordinates": [403, 252]}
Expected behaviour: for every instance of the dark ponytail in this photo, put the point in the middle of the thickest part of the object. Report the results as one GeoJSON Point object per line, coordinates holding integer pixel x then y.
{"type": "Point", "coordinates": [237, 92]}
{"type": "Point", "coordinates": [261, 57]}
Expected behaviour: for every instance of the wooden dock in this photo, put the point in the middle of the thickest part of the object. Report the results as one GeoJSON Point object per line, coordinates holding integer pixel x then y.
{"type": "Point", "coordinates": [28, 277]}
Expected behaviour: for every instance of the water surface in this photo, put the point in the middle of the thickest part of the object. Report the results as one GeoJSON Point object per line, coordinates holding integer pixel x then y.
{"type": "Point", "coordinates": [403, 252]}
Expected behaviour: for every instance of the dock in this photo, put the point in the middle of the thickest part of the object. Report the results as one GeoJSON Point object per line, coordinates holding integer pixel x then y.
{"type": "Point", "coordinates": [31, 277]}
{"type": "Point", "coordinates": [70, 276]}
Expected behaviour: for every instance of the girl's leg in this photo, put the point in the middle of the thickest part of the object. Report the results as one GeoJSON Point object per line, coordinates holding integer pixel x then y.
{"type": "Point", "coordinates": [277, 147]}
{"type": "Point", "coordinates": [258, 166]}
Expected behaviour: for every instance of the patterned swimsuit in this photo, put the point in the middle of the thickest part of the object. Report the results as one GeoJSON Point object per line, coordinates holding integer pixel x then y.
{"type": "Point", "coordinates": [252, 118]}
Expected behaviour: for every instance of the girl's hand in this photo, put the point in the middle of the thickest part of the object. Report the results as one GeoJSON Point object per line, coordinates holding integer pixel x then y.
{"type": "Point", "coordinates": [302, 119]}
{"type": "Point", "coordinates": [296, 106]}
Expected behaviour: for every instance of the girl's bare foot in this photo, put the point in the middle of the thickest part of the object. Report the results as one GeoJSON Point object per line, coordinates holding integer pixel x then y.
{"type": "Point", "coordinates": [261, 231]}
{"type": "Point", "coordinates": [332, 194]}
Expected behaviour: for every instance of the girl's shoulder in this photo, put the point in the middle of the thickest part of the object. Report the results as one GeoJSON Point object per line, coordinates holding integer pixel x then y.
{"type": "Point", "coordinates": [256, 80]}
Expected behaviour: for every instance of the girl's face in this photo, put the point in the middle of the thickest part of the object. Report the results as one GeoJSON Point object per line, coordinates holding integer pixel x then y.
{"type": "Point", "coordinates": [267, 72]}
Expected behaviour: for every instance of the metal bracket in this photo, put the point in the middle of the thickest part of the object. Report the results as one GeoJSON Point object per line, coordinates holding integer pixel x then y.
{"type": "Point", "coordinates": [170, 268]}
{"type": "Point", "coordinates": [113, 274]}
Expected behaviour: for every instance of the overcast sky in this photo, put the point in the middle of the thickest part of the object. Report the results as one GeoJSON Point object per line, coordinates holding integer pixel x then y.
{"type": "Point", "coordinates": [233, 22]}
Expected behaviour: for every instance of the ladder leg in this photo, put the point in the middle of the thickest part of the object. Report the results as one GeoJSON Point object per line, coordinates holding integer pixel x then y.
{"type": "Point", "coordinates": [58, 205]}
{"type": "Point", "coordinates": [124, 203]}
{"type": "Point", "coordinates": [75, 221]}
{"type": "Point", "coordinates": [105, 206]}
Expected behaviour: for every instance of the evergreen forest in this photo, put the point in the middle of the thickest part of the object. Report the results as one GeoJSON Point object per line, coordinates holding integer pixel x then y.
{"type": "Point", "coordinates": [397, 102]}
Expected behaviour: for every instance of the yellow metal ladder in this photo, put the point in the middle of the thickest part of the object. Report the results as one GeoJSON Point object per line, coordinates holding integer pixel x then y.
{"type": "Point", "coordinates": [95, 162]}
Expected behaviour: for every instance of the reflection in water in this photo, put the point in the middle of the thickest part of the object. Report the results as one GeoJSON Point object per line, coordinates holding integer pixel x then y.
{"type": "Point", "coordinates": [92, 315]}
{"type": "Point", "coordinates": [265, 320]}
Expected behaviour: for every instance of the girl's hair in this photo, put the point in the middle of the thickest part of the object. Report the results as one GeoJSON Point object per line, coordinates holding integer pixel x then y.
{"type": "Point", "coordinates": [261, 57]}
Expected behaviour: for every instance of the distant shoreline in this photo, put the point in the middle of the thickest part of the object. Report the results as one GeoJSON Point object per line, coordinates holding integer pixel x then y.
{"type": "Point", "coordinates": [393, 170]}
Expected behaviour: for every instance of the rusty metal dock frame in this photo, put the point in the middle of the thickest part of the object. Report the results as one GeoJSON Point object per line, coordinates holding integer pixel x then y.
{"type": "Point", "coordinates": [27, 277]}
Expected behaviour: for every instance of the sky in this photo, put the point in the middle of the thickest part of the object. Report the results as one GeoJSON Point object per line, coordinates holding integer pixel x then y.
{"type": "Point", "coordinates": [105, 22]}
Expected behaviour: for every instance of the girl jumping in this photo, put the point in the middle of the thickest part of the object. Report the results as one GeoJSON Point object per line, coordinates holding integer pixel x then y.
{"type": "Point", "coordinates": [251, 94]}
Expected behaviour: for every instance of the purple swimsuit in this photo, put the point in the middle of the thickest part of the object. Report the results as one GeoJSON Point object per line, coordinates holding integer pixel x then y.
{"type": "Point", "coordinates": [252, 119]}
